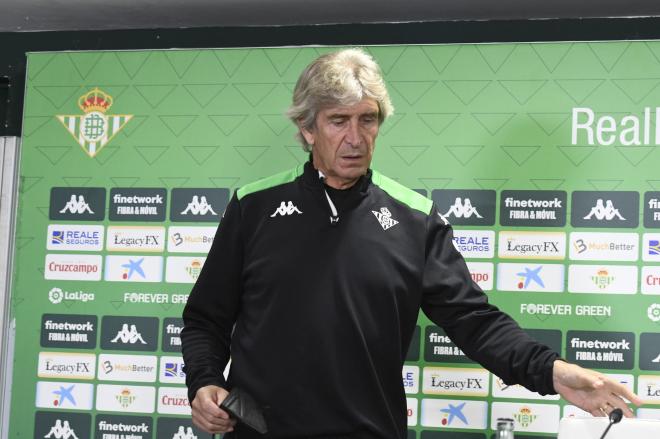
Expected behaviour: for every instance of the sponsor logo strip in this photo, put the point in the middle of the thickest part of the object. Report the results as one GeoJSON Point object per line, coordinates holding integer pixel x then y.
{"type": "Point", "coordinates": [602, 279]}
{"type": "Point", "coordinates": [73, 267]}
{"type": "Point", "coordinates": [537, 418]}
{"type": "Point", "coordinates": [190, 239]}
{"type": "Point", "coordinates": [173, 400]}
{"type": "Point", "coordinates": [475, 243]}
{"type": "Point", "coordinates": [548, 278]}
{"type": "Point", "coordinates": [450, 413]}
{"type": "Point", "coordinates": [125, 398]}
{"type": "Point", "coordinates": [532, 245]}
{"type": "Point", "coordinates": [64, 396]}
{"type": "Point", "coordinates": [135, 239]}
{"type": "Point", "coordinates": [75, 366]}
{"type": "Point", "coordinates": [588, 246]}
{"type": "Point", "coordinates": [183, 269]}
{"type": "Point", "coordinates": [171, 370]}
{"type": "Point", "coordinates": [141, 368]}
{"type": "Point", "coordinates": [133, 268]}
{"type": "Point", "coordinates": [516, 391]}
{"type": "Point", "coordinates": [482, 274]}
{"type": "Point", "coordinates": [455, 381]}
{"type": "Point", "coordinates": [70, 237]}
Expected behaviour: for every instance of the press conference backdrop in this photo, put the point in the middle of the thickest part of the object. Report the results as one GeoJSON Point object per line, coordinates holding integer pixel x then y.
{"type": "Point", "coordinates": [543, 156]}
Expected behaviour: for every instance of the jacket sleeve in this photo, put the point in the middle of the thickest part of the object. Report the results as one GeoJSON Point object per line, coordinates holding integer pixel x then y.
{"type": "Point", "coordinates": [452, 300]}
{"type": "Point", "coordinates": [212, 306]}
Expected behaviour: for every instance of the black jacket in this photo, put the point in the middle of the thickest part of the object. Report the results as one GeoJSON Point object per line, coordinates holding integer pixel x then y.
{"type": "Point", "coordinates": [324, 307]}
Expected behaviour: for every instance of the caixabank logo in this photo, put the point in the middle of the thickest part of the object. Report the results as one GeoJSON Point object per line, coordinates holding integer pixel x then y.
{"type": "Point", "coordinates": [95, 128]}
{"type": "Point", "coordinates": [605, 209]}
{"type": "Point", "coordinates": [138, 204]}
{"type": "Point", "coordinates": [198, 205]}
{"type": "Point", "coordinates": [533, 208]}
{"type": "Point", "coordinates": [466, 207]}
{"type": "Point", "coordinates": [77, 203]}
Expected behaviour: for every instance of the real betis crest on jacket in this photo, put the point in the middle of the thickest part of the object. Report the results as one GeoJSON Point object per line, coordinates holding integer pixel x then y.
{"type": "Point", "coordinates": [94, 129]}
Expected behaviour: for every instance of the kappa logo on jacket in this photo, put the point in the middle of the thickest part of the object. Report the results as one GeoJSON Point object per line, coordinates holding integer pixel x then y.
{"type": "Point", "coordinates": [286, 209]}
{"type": "Point", "coordinates": [385, 218]}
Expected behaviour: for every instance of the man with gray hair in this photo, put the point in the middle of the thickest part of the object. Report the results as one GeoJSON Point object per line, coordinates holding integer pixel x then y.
{"type": "Point", "coordinates": [316, 277]}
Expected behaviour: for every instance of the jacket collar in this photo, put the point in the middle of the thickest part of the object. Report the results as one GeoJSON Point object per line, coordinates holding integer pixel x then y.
{"type": "Point", "coordinates": [311, 177]}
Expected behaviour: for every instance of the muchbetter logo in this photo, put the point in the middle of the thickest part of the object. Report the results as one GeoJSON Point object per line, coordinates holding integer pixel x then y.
{"type": "Point", "coordinates": [190, 239]}
{"type": "Point", "coordinates": [286, 209]}
{"type": "Point", "coordinates": [466, 207]}
{"type": "Point", "coordinates": [385, 218]}
{"type": "Point", "coordinates": [53, 425]}
{"type": "Point", "coordinates": [77, 203]}
{"type": "Point", "coordinates": [95, 128]}
{"type": "Point", "coordinates": [618, 209]}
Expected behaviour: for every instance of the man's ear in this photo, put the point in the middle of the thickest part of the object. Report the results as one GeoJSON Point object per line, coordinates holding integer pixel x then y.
{"type": "Point", "coordinates": [307, 134]}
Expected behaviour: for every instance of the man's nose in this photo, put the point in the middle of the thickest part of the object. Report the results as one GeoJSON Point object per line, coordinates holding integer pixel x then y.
{"type": "Point", "coordinates": [353, 135]}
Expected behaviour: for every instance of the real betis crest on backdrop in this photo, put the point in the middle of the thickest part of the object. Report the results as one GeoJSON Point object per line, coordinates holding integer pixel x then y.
{"type": "Point", "coordinates": [94, 129]}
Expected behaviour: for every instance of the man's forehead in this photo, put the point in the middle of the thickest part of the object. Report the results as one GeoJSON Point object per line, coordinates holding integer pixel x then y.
{"type": "Point", "coordinates": [365, 106]}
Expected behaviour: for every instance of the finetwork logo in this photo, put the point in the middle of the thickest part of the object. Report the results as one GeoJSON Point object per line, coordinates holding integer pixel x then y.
{"type": "Point", "coordinates": [601, 350]}
{"type": "Point", "coordinates": [530, 277]}
{"type": "Point", "coordinates": [57, 295]}
{"type": "Point", "coordinates": [123, 427]}
{"type": "Point", "coordinates": [138, 204]}
{"type": "Point", "coordinates": [652, 210]}
{"type": "Point", "coordinates": [68, 331]}
{"type": "Point", "coordinates": [533, 208]}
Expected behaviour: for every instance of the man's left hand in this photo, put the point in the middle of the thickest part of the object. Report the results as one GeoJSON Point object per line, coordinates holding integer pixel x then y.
{"type": "Point", "coordinates": [591, 391]}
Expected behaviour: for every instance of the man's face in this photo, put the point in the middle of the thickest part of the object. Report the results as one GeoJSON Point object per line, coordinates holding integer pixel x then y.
{"type": "Point", "coordinates": [343, 140]}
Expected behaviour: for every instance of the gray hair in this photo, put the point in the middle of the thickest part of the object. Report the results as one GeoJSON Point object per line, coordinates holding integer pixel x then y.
{"type": "Point", "coordinates": [344, 77]}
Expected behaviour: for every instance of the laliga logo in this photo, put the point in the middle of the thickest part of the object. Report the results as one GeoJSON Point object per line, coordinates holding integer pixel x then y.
{"type": "Point", "coordinates": [653, 312]}
{"type": "Point", "coordinates": [56, 295]}
{"type": "Point", "coordinates": [95, 128]}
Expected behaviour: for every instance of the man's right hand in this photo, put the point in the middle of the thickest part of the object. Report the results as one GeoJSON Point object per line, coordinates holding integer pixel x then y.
{"type": "Point", "coordinates": [206, 413]}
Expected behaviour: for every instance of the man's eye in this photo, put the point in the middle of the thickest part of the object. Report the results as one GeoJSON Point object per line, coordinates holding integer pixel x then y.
{"type": "Point", "coordinates": [338, 122]}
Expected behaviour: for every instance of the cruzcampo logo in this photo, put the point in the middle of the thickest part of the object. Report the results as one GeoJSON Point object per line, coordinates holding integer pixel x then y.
{"type": "Point", "coordinates": [524, 417]}
{"type": "Point", "coordinates": [94, 129]}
